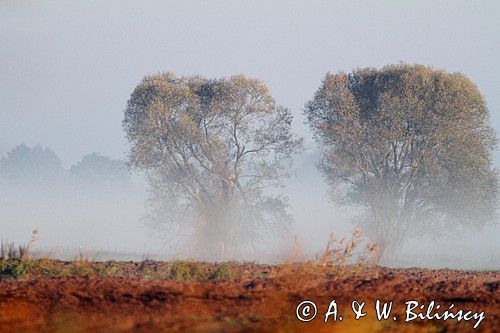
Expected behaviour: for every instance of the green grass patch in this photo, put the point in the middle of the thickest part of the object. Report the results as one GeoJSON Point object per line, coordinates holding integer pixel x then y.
{"type": "Point", "coordinates": [187, 271]}
{"type": "Point", "coordinates": [223, 272]}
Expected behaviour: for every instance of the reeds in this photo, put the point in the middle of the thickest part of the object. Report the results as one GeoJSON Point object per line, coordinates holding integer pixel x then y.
{"type": "Point", "coordinates": [344, 255]}
{"type": "Point", "coordinates": [344, 252]}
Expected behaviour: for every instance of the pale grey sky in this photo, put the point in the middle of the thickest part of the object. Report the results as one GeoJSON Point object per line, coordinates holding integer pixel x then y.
{"type": "Point", "coordinates": [68, 67]}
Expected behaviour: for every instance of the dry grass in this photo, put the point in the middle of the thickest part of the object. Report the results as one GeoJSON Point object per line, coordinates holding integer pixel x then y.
{"type": "Point", "coordinates": [344, 254]}
{"type": "Point", "coordinates": [342, 258]}
{"type": "Point", "coordinates": [21, 252]}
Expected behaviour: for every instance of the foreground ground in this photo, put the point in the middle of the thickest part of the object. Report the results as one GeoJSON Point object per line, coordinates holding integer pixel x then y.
{"type": "Point", "coordinates": [55, 296]}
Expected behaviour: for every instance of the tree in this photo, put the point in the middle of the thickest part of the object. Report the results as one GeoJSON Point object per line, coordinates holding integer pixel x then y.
{"type": "Point", "coordinates": [411, 143]}
{"type": "Point", "coordinates": [96, 169]}
{"type": "Point", "coordinates": [211, 148]}
{"type": "Point", "coordinates": [23, 166]}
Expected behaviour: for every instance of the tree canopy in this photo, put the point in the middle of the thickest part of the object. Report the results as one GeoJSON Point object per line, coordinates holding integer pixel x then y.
{"type": "Point", "coordinates": [411, 143]}
{"type": "Point", "coordinates": [23, 165]}
{"type": "Point", "coordinates": [96, 169]}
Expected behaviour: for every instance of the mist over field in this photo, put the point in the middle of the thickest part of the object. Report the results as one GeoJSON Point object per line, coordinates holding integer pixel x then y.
{"type": "Point", "coordinates": [69, 68]}
{"type": "Point", "coordinates": [105, 220]}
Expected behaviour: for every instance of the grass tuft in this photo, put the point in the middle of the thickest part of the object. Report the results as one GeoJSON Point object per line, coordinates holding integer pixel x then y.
{"type": "Point", "coordinates": [223, 272]}
{"type": "Point", "coordinates": [186, 271]}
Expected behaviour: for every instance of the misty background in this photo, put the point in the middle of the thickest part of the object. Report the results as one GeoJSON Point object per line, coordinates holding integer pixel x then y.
{"type": "Point", "coordinates": [67, 69]}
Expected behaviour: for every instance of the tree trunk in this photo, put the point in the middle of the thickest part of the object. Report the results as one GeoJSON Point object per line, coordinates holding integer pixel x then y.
{"type": "Point", "coordinates": [388, 228]}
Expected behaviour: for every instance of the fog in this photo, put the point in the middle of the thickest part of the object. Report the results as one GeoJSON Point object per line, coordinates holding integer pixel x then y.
{"type": "Point", "coordinates": [67, 69]}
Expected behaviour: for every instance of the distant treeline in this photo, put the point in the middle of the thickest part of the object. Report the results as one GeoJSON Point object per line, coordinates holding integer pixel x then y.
{"type": "Point", "coordinates": [40, 166]}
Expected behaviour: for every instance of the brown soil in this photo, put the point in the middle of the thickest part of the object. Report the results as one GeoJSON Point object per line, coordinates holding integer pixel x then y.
{"type": "Point", "coordinates": [264, 304]}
